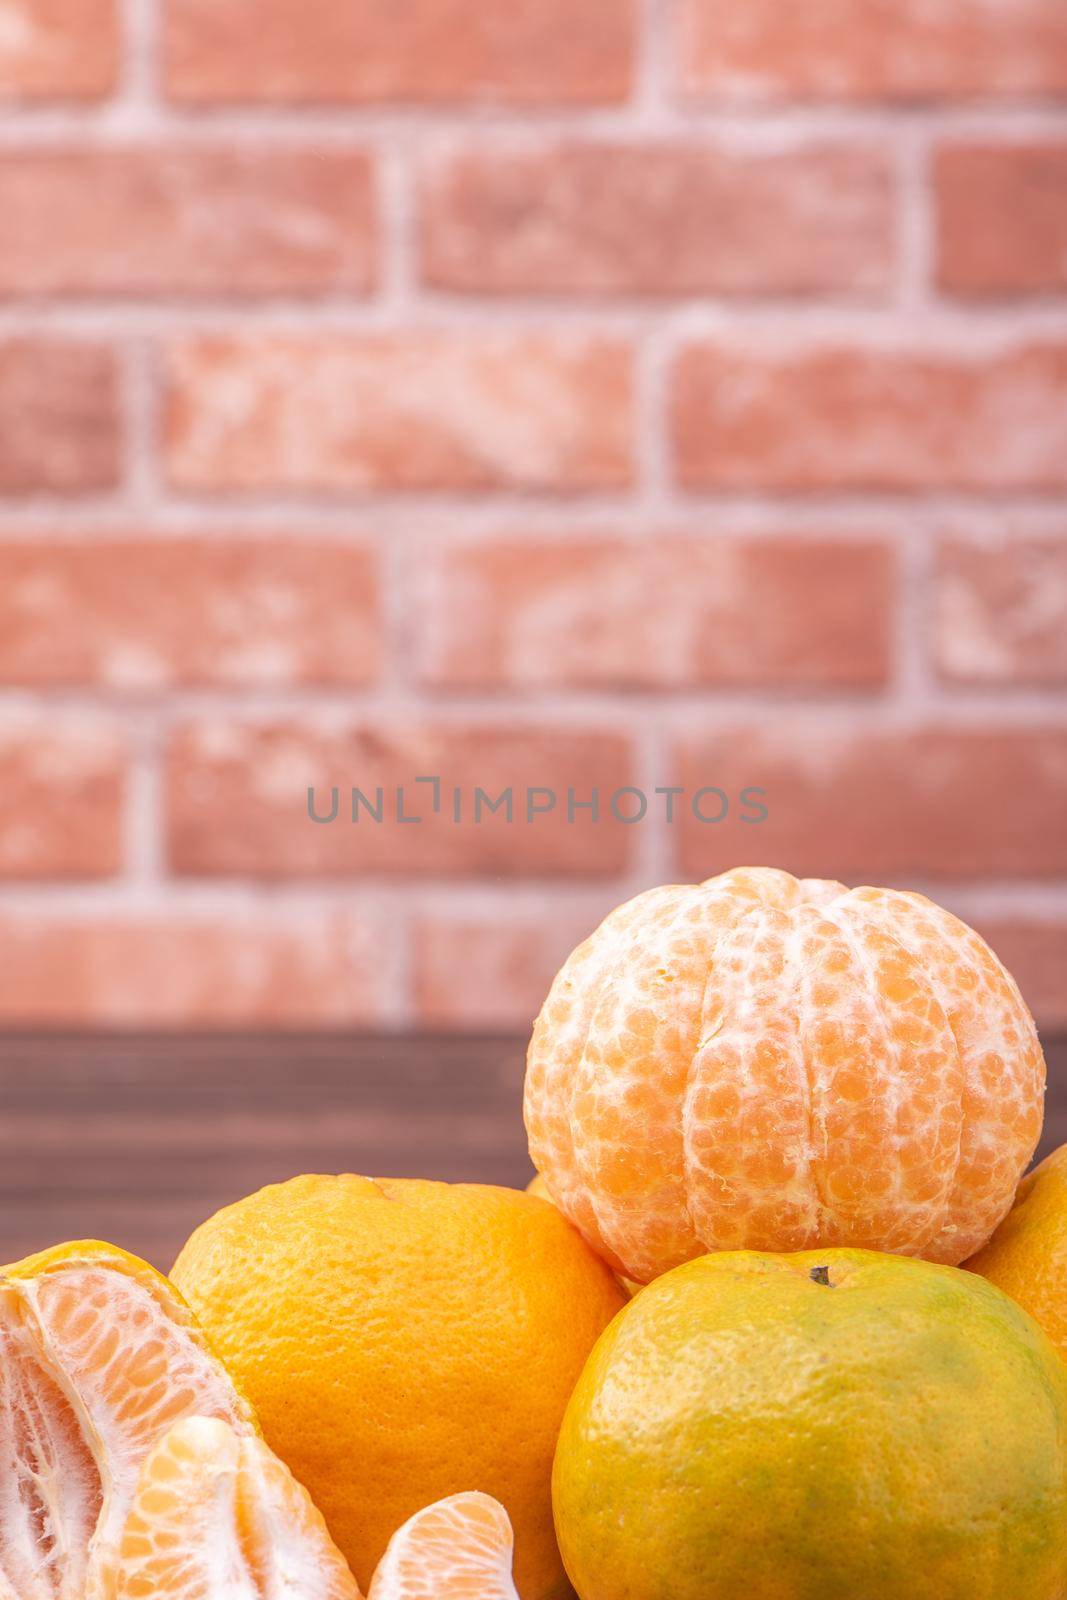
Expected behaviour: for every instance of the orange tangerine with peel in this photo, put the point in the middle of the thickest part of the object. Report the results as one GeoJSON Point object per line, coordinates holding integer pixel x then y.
{"type": "Point", "coordinates": [403, 1341]}
{"type": "Point", "coordinates": [457, 1549]}
{"type": "Point", "coordinates": [98, 1356]}
{"type": "Point", "coordinates": [772, 1063]}
{"type": "Point", "coordinates": [217, 1514]}
{"type": "Point", "coordinates": [1027, 1256]}
{"type": "Point", "coordinates": [836, 1425]}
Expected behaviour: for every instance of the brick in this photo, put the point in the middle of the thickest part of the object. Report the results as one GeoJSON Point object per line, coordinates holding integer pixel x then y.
{"type": "Point", "coordinates": [517, 52]}
{"type": "Point", "coordinates": [882, 804]}
{"type": "Point", "coordinates": [866, 417]}
{"type": "Point", "coordinates": [912, 50]}
{"type": "Point", "coordinates": [659, 219]}
{"type": "Point", "coordinates": [1002, 218]}
{"type": "Point", "coordinates": [61, 799]}
{"type": "Point", "coordinates": [1035, 953]}
{"type": "Point", "coordinates": [58, 49]}
{"type": "Point", "coordinates": [658, 612]}
{"type": "Point", "coordinates": [250, 969]}
{"type": "Point", "coordinates": [495, 970]}
{"type": "Point", "coordinates": [139, 614]}
{"type": "Point", "coordinates": [237, 800]}
{"type": "Point", "coordinates": [349, 412]}
{"type": "Point", "coordinates": [59, 417]}
{"type": "Point", "coordinates": [163, 219]}
{"type": "Point", "coordinates": [1001, 610]}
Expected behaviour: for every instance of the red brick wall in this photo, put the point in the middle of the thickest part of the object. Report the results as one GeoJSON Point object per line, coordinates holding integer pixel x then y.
{"type": "Point", "coordinates": [527, 392]}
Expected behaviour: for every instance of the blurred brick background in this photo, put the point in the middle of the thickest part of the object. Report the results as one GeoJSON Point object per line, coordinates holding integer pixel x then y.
{"type": "Point", "coordinates": [651, 393]}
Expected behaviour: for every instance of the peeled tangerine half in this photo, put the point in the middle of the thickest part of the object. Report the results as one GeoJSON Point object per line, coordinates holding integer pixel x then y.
{"type": "Point", "coordinates": [98, 1357]}
{"type": "Point", "coordinates": [771, 1063]}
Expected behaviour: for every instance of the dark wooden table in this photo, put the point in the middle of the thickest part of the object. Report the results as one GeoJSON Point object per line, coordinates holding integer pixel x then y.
{"type": "Point", "coordinates": [136, 1139]}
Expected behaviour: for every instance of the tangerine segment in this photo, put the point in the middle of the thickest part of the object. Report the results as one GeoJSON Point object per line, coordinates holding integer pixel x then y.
{"type": "Point", "coordinates": [777, 1064]}
{"type": "Point", "coordinates": [1004, 1069]}
{"type": "Point", "coordinates": [456, 1549]}
{"type": "Point", "coordinates": [217, 1514]}
{"type": "Point", "coordinates": [98, 1355]}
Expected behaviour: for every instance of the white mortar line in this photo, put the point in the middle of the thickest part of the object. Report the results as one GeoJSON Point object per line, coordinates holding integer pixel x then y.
{"type": "Point", "coordinates": [134, 115]}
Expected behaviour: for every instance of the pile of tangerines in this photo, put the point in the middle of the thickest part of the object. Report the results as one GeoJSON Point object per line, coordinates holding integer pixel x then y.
{"type": "Point", "coordinates": [758, 1332]}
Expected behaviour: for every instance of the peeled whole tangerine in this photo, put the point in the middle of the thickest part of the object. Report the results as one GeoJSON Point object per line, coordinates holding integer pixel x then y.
{"type": "Point", "coordinates": [766, 1063]}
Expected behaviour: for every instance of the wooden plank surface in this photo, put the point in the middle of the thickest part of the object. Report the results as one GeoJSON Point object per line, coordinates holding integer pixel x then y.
{"type": "Point", "coordinates": [137, 1139]}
